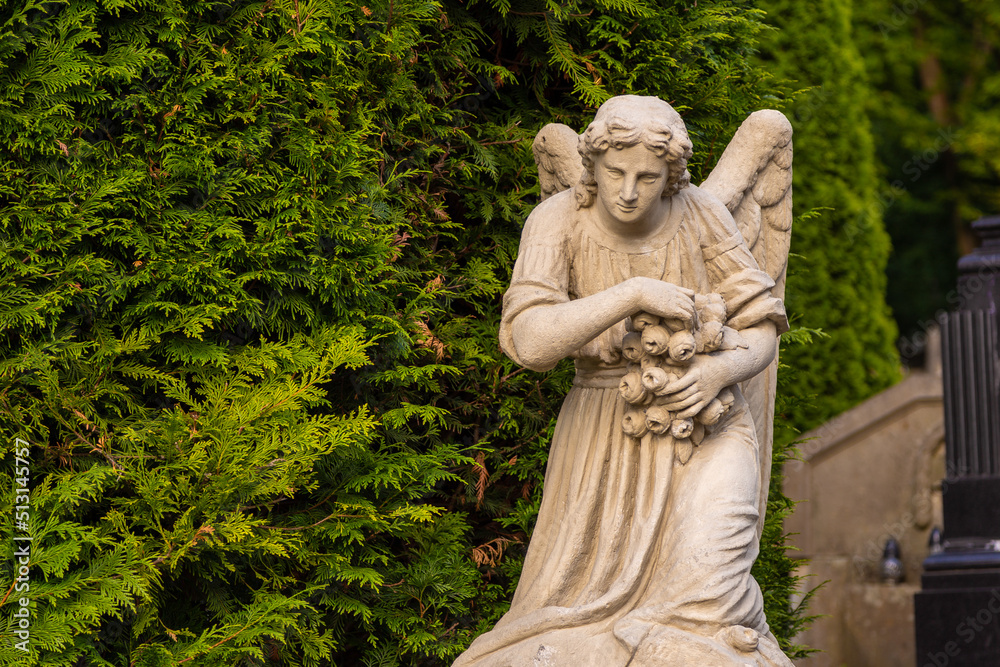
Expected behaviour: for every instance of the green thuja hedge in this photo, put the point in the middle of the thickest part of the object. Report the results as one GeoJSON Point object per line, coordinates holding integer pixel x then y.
{"type": "Point", "coordinates": [837, 273]}
{"type": "Point", "coordinates": [252, 257]}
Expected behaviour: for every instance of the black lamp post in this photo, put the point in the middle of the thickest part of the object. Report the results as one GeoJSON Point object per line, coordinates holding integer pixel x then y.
{"type": "Point", "coordinates": [958, 608]}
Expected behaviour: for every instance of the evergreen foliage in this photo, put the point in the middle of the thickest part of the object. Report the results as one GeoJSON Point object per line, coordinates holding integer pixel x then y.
{"type": "Point", "coordinates": [935, 67]}
{"type": "Point", "coordinates": [252, 256]}
{"type": "Point", "coordinates": [837, 277]}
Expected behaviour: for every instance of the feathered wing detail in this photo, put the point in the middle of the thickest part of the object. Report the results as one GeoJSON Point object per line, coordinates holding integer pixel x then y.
{"type": "Point", "coordinates": [557, 157]}
{"type": "Point", "coordinates": [754, 180]}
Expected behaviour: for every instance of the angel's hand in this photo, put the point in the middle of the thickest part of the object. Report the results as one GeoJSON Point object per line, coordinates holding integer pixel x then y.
{"type": "Point", "coordinates": [707, 375]}
{"type": "Point", "coordinates": [664, 299]}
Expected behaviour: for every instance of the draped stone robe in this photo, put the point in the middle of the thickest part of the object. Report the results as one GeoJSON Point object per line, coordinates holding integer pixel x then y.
{"type": "Point", "coordinates": [636, 556]}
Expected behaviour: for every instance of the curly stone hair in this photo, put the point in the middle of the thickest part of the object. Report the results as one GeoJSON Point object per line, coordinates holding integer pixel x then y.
{"type": "Point", "coordinates": [626, 121]}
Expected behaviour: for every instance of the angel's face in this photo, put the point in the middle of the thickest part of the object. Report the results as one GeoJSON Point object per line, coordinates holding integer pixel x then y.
{"type": "Point", "coordinates": [630, 184]}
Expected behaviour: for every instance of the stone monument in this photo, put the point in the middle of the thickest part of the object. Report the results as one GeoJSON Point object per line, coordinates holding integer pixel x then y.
{"type": "Point", "coordinates": [668, 297]}
{"type": "Point", "coordinates": [958, 610]}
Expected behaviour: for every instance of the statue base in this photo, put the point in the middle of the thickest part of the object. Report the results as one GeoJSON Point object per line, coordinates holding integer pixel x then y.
{"type": "Point", "coordinates": [643, 646]}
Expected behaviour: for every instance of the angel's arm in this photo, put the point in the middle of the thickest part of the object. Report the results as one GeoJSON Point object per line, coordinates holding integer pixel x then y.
{"type": "Point", "coordinates": [544, 334]}
{"type": "Point", "coordinates": [541, 324]}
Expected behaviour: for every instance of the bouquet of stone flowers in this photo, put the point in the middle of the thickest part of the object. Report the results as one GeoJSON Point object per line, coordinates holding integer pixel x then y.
{"type": "Point", "coordinates": [659, 351]}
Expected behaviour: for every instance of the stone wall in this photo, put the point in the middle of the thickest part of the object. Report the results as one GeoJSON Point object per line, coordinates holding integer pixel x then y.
{"type": "Point", "coordinates": [872, 473]}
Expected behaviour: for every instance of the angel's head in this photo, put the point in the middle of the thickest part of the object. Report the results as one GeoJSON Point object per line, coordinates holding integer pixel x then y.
{"type": "Point", "coordinates": [627, 121]}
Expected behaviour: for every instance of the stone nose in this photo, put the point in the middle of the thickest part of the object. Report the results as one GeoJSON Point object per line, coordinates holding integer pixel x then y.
{"type": "Point", "coordinates": [629, 192]}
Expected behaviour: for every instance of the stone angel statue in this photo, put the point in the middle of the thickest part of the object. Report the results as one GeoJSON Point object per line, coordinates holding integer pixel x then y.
{"type": "Point", "coordinates": [668, 296]}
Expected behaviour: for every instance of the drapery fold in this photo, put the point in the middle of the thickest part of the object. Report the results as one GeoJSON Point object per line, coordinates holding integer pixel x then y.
{"type": "Point", "coordinates": [629, 545]}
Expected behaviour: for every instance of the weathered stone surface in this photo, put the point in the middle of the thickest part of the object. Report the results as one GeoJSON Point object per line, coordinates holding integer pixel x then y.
{"type": "Point", "coordinates": [657, 477]}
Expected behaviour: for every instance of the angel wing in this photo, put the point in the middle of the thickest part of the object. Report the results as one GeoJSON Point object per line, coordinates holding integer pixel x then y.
{"type": "Point", "coordinates": [559, 164]}
{"type": "Point", "coordinates": [753, 178]}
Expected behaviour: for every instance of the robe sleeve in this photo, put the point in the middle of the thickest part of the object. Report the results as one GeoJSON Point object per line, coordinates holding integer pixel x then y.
{"type": "Point", "coordinates": [541, 272]}
{"type": "Point", "coordinates": [735, 275]}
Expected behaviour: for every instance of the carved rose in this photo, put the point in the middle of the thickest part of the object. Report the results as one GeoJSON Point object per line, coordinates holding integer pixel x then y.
{"type": "Point", "coordinates": [632, 346]}
{"type": "Point", "coordinates": [658, 419]}
{"type": "Point", "coordinates": [682, 346]}
{"type": "Point", "coordinates": [682, 428]}
{"type": "Point", "coordinates": [655, 339]}
{"type": "Point", "coordinates": [642, 320]}
{"type": "Point", "coordinates": [634, 423]}
{"type": "Point", "coordinates": [631, 388]}
{"type": "Point", "coordinates": [654, 379]}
